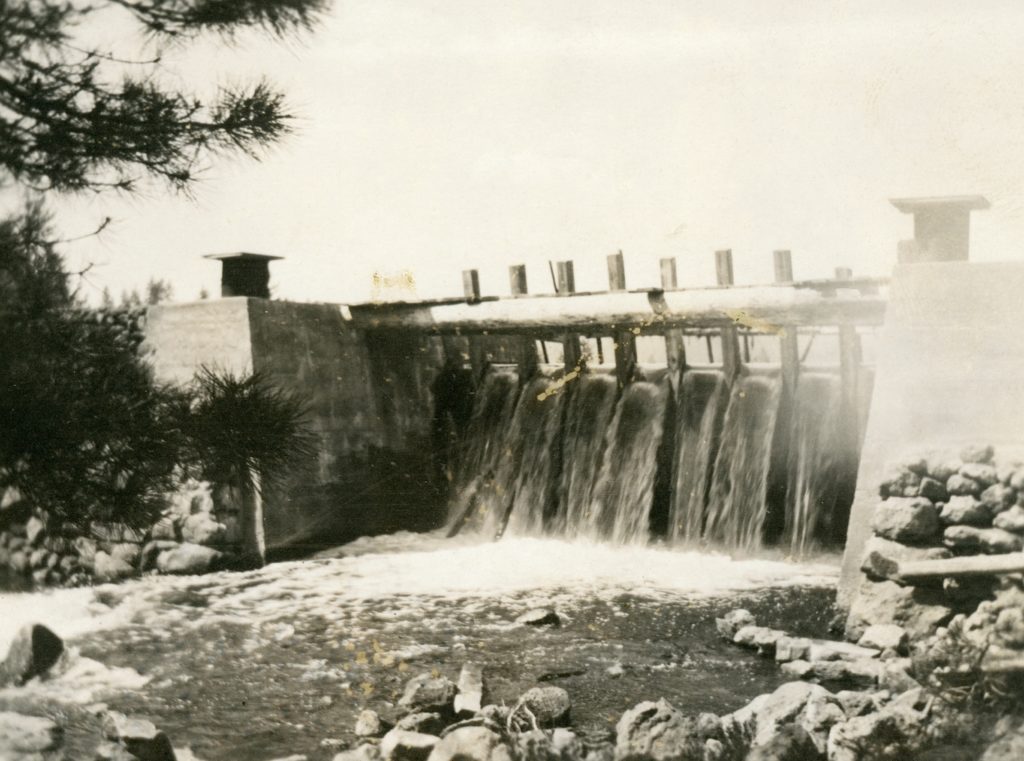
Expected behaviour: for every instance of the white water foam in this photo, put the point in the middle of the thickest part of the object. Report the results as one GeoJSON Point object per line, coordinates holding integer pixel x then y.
{"type": "Point", "coordinates": [397, 578]}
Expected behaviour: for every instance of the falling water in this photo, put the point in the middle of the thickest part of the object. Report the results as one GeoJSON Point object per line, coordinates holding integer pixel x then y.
{"type": "Point", "coordinates": [589, 410]}
{"type": "Point", "coordinates": [485, 450]}
{"type": "Point", "coordinates": [737, 504]}
{"type": "Point", "coordinates": [625, 487]}
{"type": "Point", "coordinates": [820, 459]}
{"type": "Point", "coordinates": [700, 407]}
{"type": "Point", "coordinates": [538, 428]}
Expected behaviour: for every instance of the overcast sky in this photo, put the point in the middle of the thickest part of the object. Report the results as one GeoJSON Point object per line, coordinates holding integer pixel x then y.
{"type": "Point", "coordinates": [440, 135]}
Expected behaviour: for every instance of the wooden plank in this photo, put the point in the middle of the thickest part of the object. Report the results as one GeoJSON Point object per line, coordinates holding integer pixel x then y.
{"type": "Point", "coordinates": [624, 341]}
{"type": "Point", "coordinates": [911, 571]}
{"type": "Point", "coordinates": [528, 360]}
{"type": "Point", "coordinates": [566, 285]}
{"type": "Point", "coordinates": [789, 346]}
{"type": "Point", "coordinates": [675, 346]}
{"type": "Point", "coordinates": [730, 335]}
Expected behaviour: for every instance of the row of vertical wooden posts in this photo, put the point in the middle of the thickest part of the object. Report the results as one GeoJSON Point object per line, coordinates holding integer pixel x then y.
{"type": "Point", "coordinates": [625, 340]}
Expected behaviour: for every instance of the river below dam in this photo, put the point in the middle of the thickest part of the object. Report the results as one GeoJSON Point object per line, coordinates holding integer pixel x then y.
{"type": "Point", "coordinates": [259, 665]}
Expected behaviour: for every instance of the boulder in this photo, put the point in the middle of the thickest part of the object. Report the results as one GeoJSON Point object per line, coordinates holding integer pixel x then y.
{"type": "Point", "coordinates": [894, 732]}
{"type": "Point", "coordinates": [426, 693]}
{"type": "Point", "coordinates": [895, 676]}
{"type": "Point", "coordinates": [470, 695]}
{"type": "Point", "coordinates": [18, 562]}
{"type": "Point", "coordinates": [166, 529]}
{"type": "Point", "coordinates": [108, 568]}
{"type": "Point", "coordinates": [885, 637]}
{"type": "Point", "coordinates": [882, 555]}
{"type": "Point", "coordinates": [762, 638]}
{"type": "Point", "coordinates": [1010, 520]}
{"type": "Point", "coordinates": [40, 576]}
{"type": "Point", "coordinates": [471, 744]}
{"type": "Point", "coordinates": [983, 473]}
{"type": "Point", "coordinates": [539, 617]}
{"type": "Point", "coordinates": [126, 553]}
{"type": "Point", "coordinates": [657, 732]}
{"type": "Point", "coordinates": [791, 743]}
{"type": "Point", "coordinates": [38, 558]}
{"type": "Point", "coordinates": [399, 745]}
{"type": "Point", "coordinates": [110, 751]}
{"type": "Point", "coordinates": [988, 541]}
{"type": "Point", "coordinates": [425, 723]}
{"type": "Point", "coordinates": [965, 510]}
{"type": "Point", "coordinates": [35, 531]}
{"type": "Point", "coordinates": [733, 621]}
{"type": "Point", "coordinates": [909, 521]}
{"type": "Point", "coordinates": [918, 610]}
{"type": "Point", "coordinates": [900, 482]}
{"type": "Point", "coordinates": [792, 649]}
{"type": "Point", "coordinates": [188, 559]}
{"type": "Point", "coordinates": [549, 705]}
{"type": "Point", "coordinates": [831, 650]}
{"type": "Point", "coordinates": [933, 489]}
{"type": "Point", "coordinates": [29, 738]}
{"type": "Point", "coordinates": [809, 706]}
{"type": "Point", "coordinates": [365, 752]}
{"type": "Point", "coordinates": [960, 485]}
{"type": "Point", "coordinates": [369, 724]}
{"type": "Point", "coordinates": [977, 453]}
{"type": "Point", "coordinates": [140, 737]}
{"type": "Point", "coordinates": [152, 551]}
{"type": "Point", "coordinates": [201, 528]}
{"type": "Point", "coordinates": [33, 652]}
{"type": "Point", "coordinates": [998, 498]}
{"type": "Point", "coordinates": [942, 465]}
{"type": "Point", "coordinates": [68, 564]}
{"type": "Point", "coordinates": [86, 549]}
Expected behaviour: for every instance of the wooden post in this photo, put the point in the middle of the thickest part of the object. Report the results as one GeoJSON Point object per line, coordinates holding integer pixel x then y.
{"type": "Point", "coordinates": [477, 350]}
{"type": "Point", "coordinates": [527, 346]}
{"type": "Point", "coordinates": [471, 285]}
{"type": "Point", "coordinates": [624, 340]}
{"type": "Point", "coordinates": [675, 347]}
{"type": "Point", "coordinates": [849, 370]}
{"type": "Point", "coordinates": [730, 336]}
{"type": "Point", "coordinates": [566, 285]}
{"type": "Point", "coordinates": [789, 347]}
{"type": "Point", "coordinates": [517, 279]}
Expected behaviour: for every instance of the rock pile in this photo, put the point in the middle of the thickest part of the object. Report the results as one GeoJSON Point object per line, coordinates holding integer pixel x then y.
{"type": "Point", "coordinates": [933, 507]}
{"type": "Point", "coordinates": [192, 536]}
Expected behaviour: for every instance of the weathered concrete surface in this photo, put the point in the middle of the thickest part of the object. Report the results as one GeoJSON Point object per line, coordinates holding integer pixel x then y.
{"type": "Point", "coordinates": [184, 337]}
{"type": "Point", "coordinates": [371, 405]}
{"type": "Point", "coordinates": [949, 370]}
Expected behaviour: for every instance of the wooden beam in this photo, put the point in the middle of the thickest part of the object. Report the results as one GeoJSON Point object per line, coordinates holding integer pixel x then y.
{"type": "Point", "coordinates": [528, 360]}
{"type": "Point", "coordinates": [789, 346]}
{"type": "Point", "coordinates": [624, 340]}
{"type": "Point", "coordinates": [911, 571]}
{"type": "Point", "coordinates": [675, 346]}
{"type": "Point", "coordinates": [566, 284]}
{"type": "Point", "coordinates": [730, 335]}
{"type": "Point", "coordinates": [687, 308]}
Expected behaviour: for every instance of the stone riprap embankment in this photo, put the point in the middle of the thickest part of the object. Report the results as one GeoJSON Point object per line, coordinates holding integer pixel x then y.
{"type": "Point", "coordinates": [194, 534]}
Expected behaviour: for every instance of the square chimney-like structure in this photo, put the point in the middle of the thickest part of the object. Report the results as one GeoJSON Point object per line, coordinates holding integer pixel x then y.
{"type": "Point", "coordinates": [942, 227]}
{"type": "Point", "coordinates": [244, 274]}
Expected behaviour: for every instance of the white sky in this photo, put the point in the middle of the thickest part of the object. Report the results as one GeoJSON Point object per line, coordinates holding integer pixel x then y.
{"type": "Point", "coordinates": [438, 135]}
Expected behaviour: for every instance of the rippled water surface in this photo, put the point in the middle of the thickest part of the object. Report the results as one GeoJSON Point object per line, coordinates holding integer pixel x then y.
{"type": "Point", "coordinates": [259, 665]}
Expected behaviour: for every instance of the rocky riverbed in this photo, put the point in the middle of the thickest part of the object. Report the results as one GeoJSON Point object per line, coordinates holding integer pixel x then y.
{"type": "Point", "coordinates": [282, 660]}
